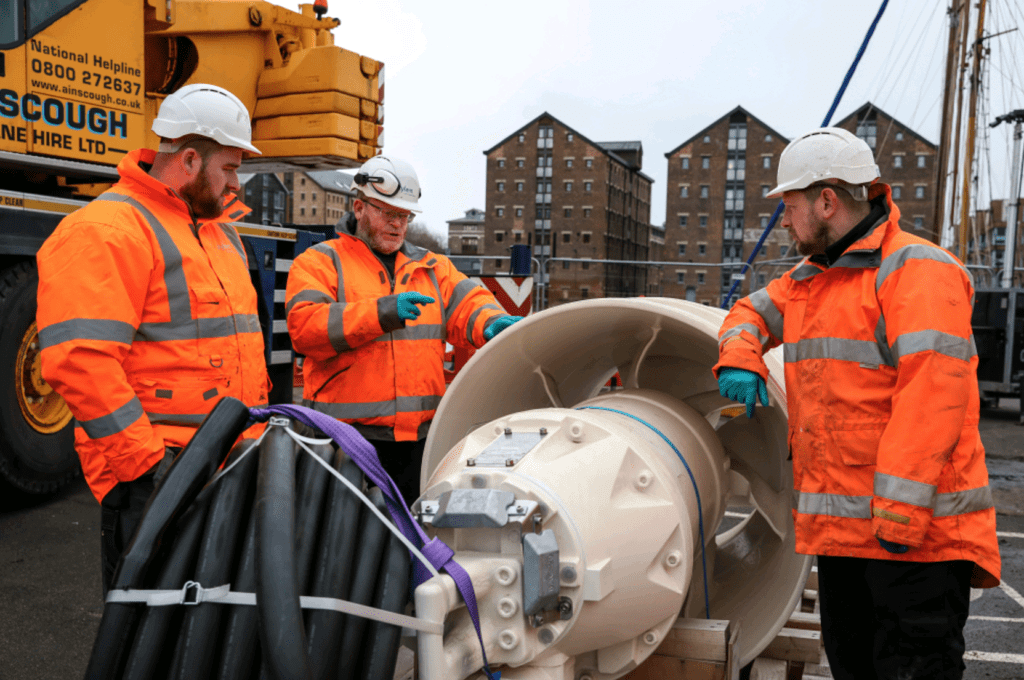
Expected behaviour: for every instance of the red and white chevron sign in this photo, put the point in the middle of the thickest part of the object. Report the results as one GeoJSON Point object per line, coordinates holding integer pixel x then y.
{"type": "Point", "coordinates": [514, 293]}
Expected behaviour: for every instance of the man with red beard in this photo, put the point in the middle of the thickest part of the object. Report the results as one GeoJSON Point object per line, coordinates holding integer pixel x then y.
{"type": "Point", "coordinates": [146, 312]}
{"type": "Point", "coordinates": [890, 485]}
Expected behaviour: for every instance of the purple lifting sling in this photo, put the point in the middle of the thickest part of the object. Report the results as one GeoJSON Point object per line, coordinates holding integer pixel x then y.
{"type": "Point", "coordinates": [365, 456]}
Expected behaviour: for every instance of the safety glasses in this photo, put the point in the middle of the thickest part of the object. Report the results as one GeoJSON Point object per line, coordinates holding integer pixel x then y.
{"type": "Point", "coordinates": [390, 215]}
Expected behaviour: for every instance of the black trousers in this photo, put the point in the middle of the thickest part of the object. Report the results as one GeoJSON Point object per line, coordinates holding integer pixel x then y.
{"type": "Point", "coordinates": [120, 514]}
{"type": "Point", "coordinates": [402, 460]}
{"type": "Point", "coordinates": [899, 620]}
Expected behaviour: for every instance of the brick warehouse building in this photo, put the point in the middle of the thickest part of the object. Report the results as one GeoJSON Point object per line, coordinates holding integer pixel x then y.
{"type": "Point", "coordinates": [715, 206]}
{"type": "Point", "coordinates": [716, 210]}
{"type": "Point", "coordinates": [552, 188]}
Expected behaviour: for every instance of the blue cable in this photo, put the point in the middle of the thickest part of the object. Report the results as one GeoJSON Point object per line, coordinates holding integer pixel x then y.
{"type": "Point", "coordinates": [828, 118]}
{"type": "Point", "coordinates": [696, 491]}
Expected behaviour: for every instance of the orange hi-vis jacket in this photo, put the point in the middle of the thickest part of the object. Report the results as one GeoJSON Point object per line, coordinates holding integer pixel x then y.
{"type": "Point", "coordinates": [881, 378]}
{"type": "Point", "coordinates": [145, 321]}
{"type": "Point", "coordinates": [364, 365]}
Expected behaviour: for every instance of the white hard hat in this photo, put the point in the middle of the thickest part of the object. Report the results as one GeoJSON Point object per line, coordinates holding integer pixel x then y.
{"type": "Point", "coordinates": [824, 154]}
{"type": "Point", "coordinates": [207, 111]}
{"type": "Point", "coordinates": [390, 181]}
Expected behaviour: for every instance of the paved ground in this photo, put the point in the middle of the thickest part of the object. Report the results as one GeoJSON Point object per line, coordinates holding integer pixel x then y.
{"type": "Point", "coordinates": [50, 586]}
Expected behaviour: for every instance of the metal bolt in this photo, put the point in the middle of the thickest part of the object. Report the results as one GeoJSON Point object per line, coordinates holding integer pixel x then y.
{"type": "Point", "coordinates": [536, 523]}
{"type": "Point", "coordinates": [650, 637]}
{"type": "Point", "coordinates": [508, 431]}
{"type": "Point", "coordinates": [471, 462]}
{"type": "Point", "coordinates": [568, 573]}
{"type": "Point", "coordinates": [565, 608]}
{"type": "Point", "coordinates": [586, 676]}
{"type": "Point", "coordinates": [543, 430]}
{"type": "Point", "coordinates": [519, 509]}
{"type": "Point", "coordinates": [673, 558]}
{"type": "Point", "coordinates": [644, 479]}
{"type": "Point", "coordinates": [509, 462]}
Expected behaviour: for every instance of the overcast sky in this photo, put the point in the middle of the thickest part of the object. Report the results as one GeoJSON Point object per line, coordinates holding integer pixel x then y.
{"type": "Point", "coordinates": [461, 76]}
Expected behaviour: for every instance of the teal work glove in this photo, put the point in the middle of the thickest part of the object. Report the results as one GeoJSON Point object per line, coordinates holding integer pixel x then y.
{"type": "Point", "coordinates": [407, 302]}
{"type": "Point", "coordinates": [894, 548]}
{"type": "Point", "coordinates": [743, 386]}
{"type": "Point", "coordinates": [499, 325]}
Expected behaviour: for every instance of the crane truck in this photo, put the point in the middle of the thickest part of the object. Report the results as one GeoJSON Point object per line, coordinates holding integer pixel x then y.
{"type": "Point", "coordinates": [80, 83]}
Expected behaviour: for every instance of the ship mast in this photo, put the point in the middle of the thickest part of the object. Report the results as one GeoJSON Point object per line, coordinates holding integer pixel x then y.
{"type": "Point", "coordinates": [972, 127]}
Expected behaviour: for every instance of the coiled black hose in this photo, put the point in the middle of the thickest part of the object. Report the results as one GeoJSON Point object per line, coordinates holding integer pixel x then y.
{"type": "Point", "coordinates": [332, 570]}
{"type": "Point", "coordinates": [218, 554]}
{"type": "Point", "coordinates": [260, 530]}
{"type": "Point", "coordinates": [193, 467]}
{"type": "Point", "coordinates": [282, 633]}
{"type": "Point", "coordinates": [372, 540]}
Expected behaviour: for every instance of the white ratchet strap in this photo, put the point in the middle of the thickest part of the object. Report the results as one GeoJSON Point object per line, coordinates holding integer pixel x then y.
{"type": "Point", "coordinates": [193, 593]}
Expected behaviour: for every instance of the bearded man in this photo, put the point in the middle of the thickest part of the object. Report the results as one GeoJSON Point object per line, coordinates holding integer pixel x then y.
{"type": "Point", "coordinates": [372, 313]}
{"type": "Point", "coordinates": [146, 312]}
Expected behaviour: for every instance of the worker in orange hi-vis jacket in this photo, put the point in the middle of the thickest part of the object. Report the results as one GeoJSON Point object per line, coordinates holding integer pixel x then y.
{"type": "Point", "coordinates": [147, 315]}
{"type": "Point", "coordinates": [371, 313]}
{"type": "Point", "coordinates": [891, 489]}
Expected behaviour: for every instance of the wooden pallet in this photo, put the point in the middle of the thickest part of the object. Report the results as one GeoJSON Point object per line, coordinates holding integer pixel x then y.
{"type": "Point", "coordinates": [699, 648]}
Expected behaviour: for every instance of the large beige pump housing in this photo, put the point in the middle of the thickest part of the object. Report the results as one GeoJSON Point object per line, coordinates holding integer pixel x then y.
{"type": "Point", "coordinates": [590, 520]}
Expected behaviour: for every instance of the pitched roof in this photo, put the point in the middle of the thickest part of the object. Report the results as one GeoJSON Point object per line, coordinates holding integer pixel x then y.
{"type": "Point", "coordinates": [332, 180]}
{"type": "Point", "coordinates": [738, 109]}
{"type": "Point", "coordinates": [598, 145]}
{"type": "Point", "coordinates": [472, 216]}
{"type": "Point", "coordinates": [867, 106]}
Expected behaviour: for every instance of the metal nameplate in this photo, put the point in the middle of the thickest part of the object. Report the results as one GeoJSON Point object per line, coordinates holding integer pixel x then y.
{"type": "Point", "coordinates": [508, 449]}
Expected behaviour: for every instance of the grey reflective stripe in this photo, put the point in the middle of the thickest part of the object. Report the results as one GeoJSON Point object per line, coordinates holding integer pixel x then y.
{"type": "Point", "coordinates": [176, 418]}
{"type": "Point", "coordinates": [804, 271]}
{"type": "Point", "coordinates": [236, 241]}
{"type": "Point", "coordinates": [226, 326]}
{"type": "Point", "coordinates": [840, 349]}
{"type": "Point", "coordinates": [904, 490]}
{"type": "Point", "coordinates": [86, 329]}
{"type": "Point", "coordinates": [962, 502]}
{"type": "Point", "coordinates": [748, 327]}
{"type": "Point", "coordinates": [462, 289]}
{"type": "Point", "coordinates": [426, 331]}
{"type": "Point", "coordinates": [377, 409]}
{"type": "Point", "coordinates": [763, 305]}
{"type": "Point", "coordinates": [858, 259]}
{"type": "Point", "coordinates": [833, 505]}
{"type": "Point", "coordinates": [114, 422]}
{"type": "Point", "coordinates": [882, 341]}
{"type": "Point", "coordinates": [174, 274]}
{"type": "Point", "coordinates": [936, 341]}
{"type": "Point", "coordinates": [326, 249]}
{"type": "Point", "coordinates": [914, 251]}
{"type": "Point", "coordinates": [210, 394]}
{"type": "Point", "coordinates": [472, 320]}
{"type": "Point", "coordinates": [336, 327]}
{"type": "Point", "coordinates": [308, 295]}
{"type": "Point", "coordinates": [437, 289]}
{"type": "Point", "coordinates": [212, 327]}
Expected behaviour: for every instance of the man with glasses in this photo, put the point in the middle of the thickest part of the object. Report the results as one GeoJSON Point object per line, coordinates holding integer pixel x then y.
{"type": "Point", "coordinates": [891, 489]}
{"type": "Point", "coordinates": [371, 313]}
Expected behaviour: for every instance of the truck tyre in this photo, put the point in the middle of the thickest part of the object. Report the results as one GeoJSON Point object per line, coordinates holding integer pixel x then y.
{"type": "Point", "coordinates": [37, 447]}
